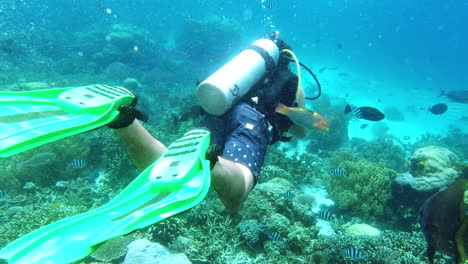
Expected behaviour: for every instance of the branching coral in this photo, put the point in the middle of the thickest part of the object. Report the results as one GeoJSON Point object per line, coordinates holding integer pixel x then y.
{"type": "Point", "coordinates": [390, 247]}
{"type": "Point", "coordinates": [364, 190]}
{"type": "Point", "coordinates": [300, 168]}
{"type": "Point", "coordinates": [250, 231]}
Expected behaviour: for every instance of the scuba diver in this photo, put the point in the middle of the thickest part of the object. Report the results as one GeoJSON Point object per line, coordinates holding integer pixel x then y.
{"type": "Point", "coordinates": [244, 113]}
{"type": "Point", "coordinates": [251, 102]}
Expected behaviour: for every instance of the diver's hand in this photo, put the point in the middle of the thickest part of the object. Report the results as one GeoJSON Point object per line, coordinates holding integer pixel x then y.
{"type": "Point", "coordinates": [128, 114]}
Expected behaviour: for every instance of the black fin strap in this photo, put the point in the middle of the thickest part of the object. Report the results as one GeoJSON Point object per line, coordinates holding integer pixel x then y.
{"type": "Point", "coordinates": [212, 154]}
{"type": "Point", "coordinates": [127, 115]}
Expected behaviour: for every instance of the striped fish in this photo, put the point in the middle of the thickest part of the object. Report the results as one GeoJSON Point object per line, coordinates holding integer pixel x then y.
{"type": "Point", "coordinates": [94, 175]}
{"type": "Point", "coordinates": [92, 141]}
{"type": "Point", "coordinates": [356, 111]}
{"type": "Point", "coordinates": [77, 164]}
{"type": "Point", "coordinates": [274, 236]}
{"type": "Point", "coordinates": [288, 195]}
{"type": "Point", "coordinates": [268, 4]}
{"type": "Point", "coordinates": [365, 112]}
{"type": "Point", "coordinates": [354, 253]}
{"type": "Point", "coordinates": [325, 215]}
{"type": "Point", "coordinates": [339, 172]}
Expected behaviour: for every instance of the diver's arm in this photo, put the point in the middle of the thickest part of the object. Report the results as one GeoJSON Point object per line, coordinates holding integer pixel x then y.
{"type": "Point", "coordinates": [142, 147]}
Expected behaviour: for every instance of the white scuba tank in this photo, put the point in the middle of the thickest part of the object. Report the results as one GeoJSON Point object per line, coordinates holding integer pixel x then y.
{"type": "Point", "coordinates": [224, 88]}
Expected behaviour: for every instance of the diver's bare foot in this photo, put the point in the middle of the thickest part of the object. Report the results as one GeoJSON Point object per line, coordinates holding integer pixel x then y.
{"type": "Point", "coordinates": [234, 203]}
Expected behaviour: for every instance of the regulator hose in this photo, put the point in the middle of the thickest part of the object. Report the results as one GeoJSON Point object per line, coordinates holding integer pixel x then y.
{"type": "Point", "coordinates": [319, 87]}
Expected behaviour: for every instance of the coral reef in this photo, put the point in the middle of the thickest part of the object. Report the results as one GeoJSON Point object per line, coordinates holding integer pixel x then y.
{"type": "Point", "coordinates": [299, 168]}
{"type": "Point", "coordinates": [393, 113]}
{"type": "Point", "coordinates": [393, 156]}
{"type": "Point", "coordinates": [431, 168]}
{"type": "Point", "coordinates": [362, 229]}
{"type": "Point", "coordinates": [279, 214]}
{"type": "Point", "coordinates": [390, 247]}
{"type": "Point", "coordinates": [145, 251]}
{"type": "Point", "coordinates": [365, 189]}
{"type": "Point", "coordinates": [113, 249]}
{"type": "Point", "coordinates": [125, 43]}
{"type": "Point", "coordinates": [251, 231]}
{"type": "Point", "coordinates": [19, 220]}
{"type": "Point", "coordinates": [218, 37]}
{"type": "Point", "coordinates": [456, 140]}
{"type": "Point", "coordinates": [379, 130]}
{"type": "Point", "coordinates": [47, 174]}
{"type": "Point", "coordinates": [338, 133]}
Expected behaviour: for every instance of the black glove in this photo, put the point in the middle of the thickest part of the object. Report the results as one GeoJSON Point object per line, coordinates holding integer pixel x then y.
{"type": "Point", "coordinates": [212, 154]}
{"type": "Point", "coordinates": [128, 114]}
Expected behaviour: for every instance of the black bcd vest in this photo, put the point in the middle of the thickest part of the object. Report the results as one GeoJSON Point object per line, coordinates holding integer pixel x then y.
{"type": "Point", "coordinates": [277, 87]}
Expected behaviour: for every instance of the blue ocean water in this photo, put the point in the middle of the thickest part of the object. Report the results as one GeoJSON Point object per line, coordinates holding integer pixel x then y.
{"type": "Point", "coordinates": [392, 54]}
{"type": "Point", "coordinates": [397, 56]}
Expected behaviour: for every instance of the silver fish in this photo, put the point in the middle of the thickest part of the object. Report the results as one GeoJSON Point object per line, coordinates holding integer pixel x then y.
{"type": "Point", "coordinates": [37, 160]}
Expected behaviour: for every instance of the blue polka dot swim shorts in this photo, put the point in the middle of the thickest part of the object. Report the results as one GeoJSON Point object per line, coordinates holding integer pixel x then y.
{"type": "Point", "coordinates": [243, 133]}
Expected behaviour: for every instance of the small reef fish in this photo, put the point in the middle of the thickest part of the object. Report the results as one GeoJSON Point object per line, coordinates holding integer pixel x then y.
{"type": "Point", "coordinates": [6, 46]}
{"type": "Point", "coordinates": [92, 141]}
{"type": "Point", "coordinates": [443, 219]}
{"type": "Point", "coordinates": [274, 236]}
{"type": "Point", "coordinates": [37, 160]}
{"type": "Point", "coordinates": [6, 50]}
{"type": "Point", "coordinates": [77, 164]}
{"type": "Point", "coordinates": [438, 109]}
{"type": "Point", "coordinates": [325, 215]}
{"type": "Point", "coordinates": [363, 126]}
{"type": "Point", "coordinates": [268, 4]}
{"type": "Point", "coordinates": [339, 172]}
{"type": "Point", "coordinates": [460, 96]}
{"type": "Point", "coordinates": [303, 117]}
{"type": "Point", "coordinates": [94, 175]}
{"type": "Point", "coordinates": [365, 112]}
{"type": "Point", "coordinates": [321, 69]}
{"type": "Point", "coordinates": [354, 253]}
{"type": "Point", "coordinates": [288, 195]}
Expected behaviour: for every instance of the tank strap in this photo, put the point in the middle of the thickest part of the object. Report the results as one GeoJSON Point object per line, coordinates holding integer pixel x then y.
{"type": "Point", "coordinates": [269, 62]}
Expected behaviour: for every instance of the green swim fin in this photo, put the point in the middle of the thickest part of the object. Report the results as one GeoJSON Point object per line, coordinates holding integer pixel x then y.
{"type": "Point", "coordinates": [33, 118]}
{"type": "Point", "coordinates": [176, 182]}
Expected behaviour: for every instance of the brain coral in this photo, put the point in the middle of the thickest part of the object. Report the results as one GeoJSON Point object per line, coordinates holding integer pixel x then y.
{"type": "Point", "coordinates": [432, 167]}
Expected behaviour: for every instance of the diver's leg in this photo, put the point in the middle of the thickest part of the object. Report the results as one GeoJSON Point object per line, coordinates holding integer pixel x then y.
{"type": "Point", "coordinates": [142, 147]}
{"type": "Point", "coordinates": [234, 176]}
{"type": "Point", "coordinates": [233, 182]}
